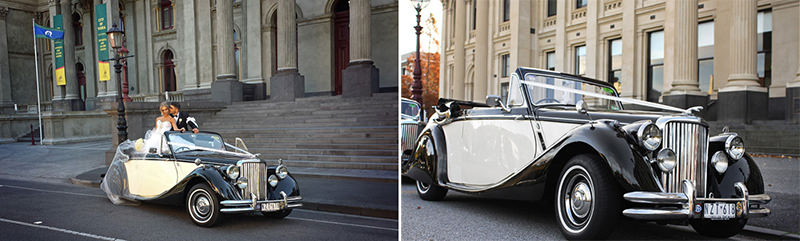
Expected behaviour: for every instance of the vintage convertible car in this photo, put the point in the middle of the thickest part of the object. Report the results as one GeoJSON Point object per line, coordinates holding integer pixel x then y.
{"type": "Point", "coordinates": [206, 174]}
{"type": "Point", "coordinates": [568, 139]}
{"type": "Point", "coordinates": [412, 120]}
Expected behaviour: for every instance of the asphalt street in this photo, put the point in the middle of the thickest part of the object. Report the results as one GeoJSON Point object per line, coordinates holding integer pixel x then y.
{"type": "Point", "coordinates": [467, 217]}
{"type": "Point", "coordinates": [52, 211]}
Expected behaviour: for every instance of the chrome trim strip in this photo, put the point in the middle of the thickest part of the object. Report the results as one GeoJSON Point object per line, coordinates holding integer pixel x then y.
{"type": "Point", "coordinates": [656, 214]}
{"type": "Point", "coordinates": [687, 201]}
{"type": "Point", "coordinates": [656, 198]}
{"type": "Point", "coordinates": [239, 206]}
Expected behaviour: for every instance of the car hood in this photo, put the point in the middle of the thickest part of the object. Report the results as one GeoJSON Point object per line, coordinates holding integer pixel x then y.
{"type": "Point", "coordinates": [204, 156]}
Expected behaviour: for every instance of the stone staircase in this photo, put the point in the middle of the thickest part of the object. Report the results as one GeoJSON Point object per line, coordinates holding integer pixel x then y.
{"type": "Point", "coordinates": [764, 136]}
{"type": "Point", "coordinates": [320, 136]}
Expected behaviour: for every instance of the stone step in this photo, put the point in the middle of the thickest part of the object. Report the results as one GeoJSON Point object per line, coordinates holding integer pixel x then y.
{"type": "Point", "coordinates": [322, 105]}
{"type": "Point", "coordinates": [377, 140]}
{"type": "Point", "coordinates": [342, 165]}
{"type": "Point", "coordinates": [235, 125]}
{"type": "Point", "coordinates": [369, 146]}
{"type": "Point", "coordinates": [379, 120]}
{"type": "Point", "coordinates": [342, 129]}
{"type": "Point", "coordinates": [251, 135]}
{"type": "Point", "coordinates": [331, 158]}
{"type": "Point", "coordinates": [333, 152]}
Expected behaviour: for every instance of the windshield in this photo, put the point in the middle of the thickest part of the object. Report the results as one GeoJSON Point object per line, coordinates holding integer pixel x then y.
{"type": "Point", "coordinates": [411, 109]}
{"type": "Point", "coordinates": [189, 141]}
{"type": "Point", "coordinates": [547, 90]}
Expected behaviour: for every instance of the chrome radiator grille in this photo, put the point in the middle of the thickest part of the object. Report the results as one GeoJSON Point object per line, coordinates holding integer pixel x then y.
{"type": "Point", "coordinates": [690, 143]}
{"type": "Point", "coordinates": [409, 135]}
{"type": "Point", "coordinates": [256, 174]}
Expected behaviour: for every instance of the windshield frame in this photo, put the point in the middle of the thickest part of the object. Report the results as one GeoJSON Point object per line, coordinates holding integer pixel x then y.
{"type": "Point", "coordinates": [526, 90]}
{"type": "Point", "coordinates": [170, 140]}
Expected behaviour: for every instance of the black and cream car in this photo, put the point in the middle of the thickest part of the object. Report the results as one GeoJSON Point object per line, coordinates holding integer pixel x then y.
{"type": "Point", "coordinates": [412, 120]}
{"type": "Point", "coordinates": [568, 139]}
{"type": "Point", "coordinates": [207, 175]}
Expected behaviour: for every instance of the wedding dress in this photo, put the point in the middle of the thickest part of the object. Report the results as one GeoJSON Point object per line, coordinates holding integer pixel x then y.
{"type": "Point", "coordinates": [152, 139]}
{"type": "Point", "coordinates": [115, 182]}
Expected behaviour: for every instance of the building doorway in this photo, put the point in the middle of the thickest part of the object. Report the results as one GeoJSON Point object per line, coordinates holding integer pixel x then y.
{"type": "Point", "coordinates": [341, 42]}
{"type": "Point", "coordinates": [81, 74]}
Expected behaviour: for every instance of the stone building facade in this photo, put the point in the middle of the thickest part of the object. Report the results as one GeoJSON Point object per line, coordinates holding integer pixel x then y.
{"type": "Point", "coordinates": [740, 58]}
{"type": "Point", "coordinates": [319, 47]}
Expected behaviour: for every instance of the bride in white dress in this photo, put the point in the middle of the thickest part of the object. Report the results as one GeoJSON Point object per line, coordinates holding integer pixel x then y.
{"type": "Point", "coordinates": [164, 123]}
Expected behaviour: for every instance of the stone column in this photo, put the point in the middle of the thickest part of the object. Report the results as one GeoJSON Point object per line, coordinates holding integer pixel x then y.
{"type": "Point", "coordinates": [460, 66]}
{"type": "Point", "coordinates": [629, 63]}
{"type": "Point", "coordinates": [444, 86]}
{"type": "Point", "coordinates": [252, 50]}
{"type": "Point", "coordinates": [593, 44]}
{"type": "Point", "coordinates": [685, 87]}
{"type": "Point", "coordinates": [521, 35]}
{"type": "Point", "coordinates": [793, 87]}
{"type": "Point", "coordinates": [226, 88]}
{"type": "Point", "coordinates": [360, 78]}
{"type": "Point", "coordinates": [481, 52]}
{"type": "Point", "coordinates": [71, 99]}
{"type": "Point", "coordinates": [6, 103]}
{"type": "Point", "coordinates": [187, 37]}
{"type": "Point", "coordinates": [743, 99]}
{"type": "Point", "coordinates": [562, 49]}
{"type": "Point", "coordinates": [287, 84]}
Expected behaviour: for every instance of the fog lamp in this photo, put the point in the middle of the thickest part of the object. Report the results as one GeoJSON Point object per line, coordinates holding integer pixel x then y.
{"type": "Point", "coordinates": [720, 162]}
{"type": "Point", "coordinates": [242, 183]}
{"type": "Point", "coordinates": [666, 160]}
{"type": "Point", "coordinates": [273, 180]}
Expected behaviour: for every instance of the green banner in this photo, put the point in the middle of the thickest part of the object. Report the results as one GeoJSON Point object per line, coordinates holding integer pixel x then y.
{"type": "Point", "coordinates": [58, 51]}
{"type": "Point", "coordinates": [103, 67]}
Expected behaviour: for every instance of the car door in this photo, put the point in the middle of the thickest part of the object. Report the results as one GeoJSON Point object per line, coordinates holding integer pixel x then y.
{"type": "Point", "coordinates": [152, 175]}
{"type": "Point", "coordinates": [489, 145]}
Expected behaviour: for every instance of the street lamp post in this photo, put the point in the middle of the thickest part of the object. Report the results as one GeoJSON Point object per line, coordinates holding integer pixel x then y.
{"type": "Point", "coordinates": [115, 38]}
{"type": "Point", "coordinates": [416, 86]}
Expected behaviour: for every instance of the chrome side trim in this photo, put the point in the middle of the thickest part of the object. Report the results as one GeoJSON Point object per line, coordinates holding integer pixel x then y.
{"type": "Point", "coordinates": [656, 198]}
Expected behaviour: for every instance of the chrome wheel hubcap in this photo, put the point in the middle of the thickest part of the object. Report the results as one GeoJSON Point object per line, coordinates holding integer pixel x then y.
{"type": "Point", "coordinates": [581, 200]}
{"type": "Point", "coordinates": [203, 206]}
{"type": "Point", "coordinates": [422, 187]}
{"type": "Point", "coordinates": [575, 199]}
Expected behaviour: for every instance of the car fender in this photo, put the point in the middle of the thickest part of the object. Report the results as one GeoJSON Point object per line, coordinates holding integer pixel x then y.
{"type": "Point", "coordinates": [204, 174]}
{"type": "Point", "coordinates": [744, 170]}
{"type": "Point", "coordinates": [425, 160]}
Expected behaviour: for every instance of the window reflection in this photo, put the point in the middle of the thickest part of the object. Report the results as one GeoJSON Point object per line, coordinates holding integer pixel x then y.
{"type": "Point", "coordinates": [655, 65]}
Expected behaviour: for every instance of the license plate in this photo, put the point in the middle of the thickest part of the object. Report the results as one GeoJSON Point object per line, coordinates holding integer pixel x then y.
{"type": "Point", "coordinates": [719, 210]}
{"type": "Point", "coordinates": [269, 207]}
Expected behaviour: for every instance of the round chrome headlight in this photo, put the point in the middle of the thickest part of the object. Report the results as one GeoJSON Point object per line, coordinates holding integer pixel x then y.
{"type": "Point", "coordinates": [734, 146]}
{"type": "Point", "coordinates": [282, 171]}
{"type": "Point", "coordinates": [232, 171]}
{"type": "Point", "coordinates": [649, 136]}
{"type": "Point", "coordinates": [241, 183]}
{"type": "Point", "coordinates": [666, 160]}
{"type": "Point", "coordinates": [273, 180]}
{"type": "Point", "coordinates": [720, 162]}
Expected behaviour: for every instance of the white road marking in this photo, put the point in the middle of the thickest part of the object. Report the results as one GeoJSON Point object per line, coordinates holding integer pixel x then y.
{"type": "Point", "coordinates": [345, 224]}
{"type": "Point", "coordinates": [95, 236]}
{"type": "Point", "coordinates": [303, 219]}
{"type": "Point", "coordinates": [50, 191]}
{"type": "Point", "coordinates": [37, 222]}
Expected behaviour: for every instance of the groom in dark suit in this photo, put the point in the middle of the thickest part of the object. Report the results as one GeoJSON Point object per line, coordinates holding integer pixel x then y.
{"type": "Point", "coordinates": [182, 120]}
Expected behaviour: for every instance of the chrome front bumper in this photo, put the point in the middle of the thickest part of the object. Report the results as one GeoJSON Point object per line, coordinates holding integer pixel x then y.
{"type": "Point", "coordinates": [691, 207]}
{"type": "Point", "coordinates": [253, 204]}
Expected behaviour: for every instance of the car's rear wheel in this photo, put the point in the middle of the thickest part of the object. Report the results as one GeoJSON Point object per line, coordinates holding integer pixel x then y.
{"type": "Point", "coordinates": [278, 214]}
{"type": "Point", "coordinates": [430, 192]}
{"type": "Point", "coordinates": [203, 205]}
{"type": "Point", "coordinates": [718, 228]}
{"type": "Point", "coordinates": [587, 199]}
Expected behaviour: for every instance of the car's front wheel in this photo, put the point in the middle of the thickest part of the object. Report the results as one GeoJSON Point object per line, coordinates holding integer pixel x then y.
{"type": "Point", "coordinates": [430, 192]}
{"type": "Point", "coordinates": [278, 214]}
{"type": "Point", "coordinates": [203, 205]}
{"type": "Point", "coordinates": [718, 228]}
{"type": "Point", "coordinates": [587, 199]}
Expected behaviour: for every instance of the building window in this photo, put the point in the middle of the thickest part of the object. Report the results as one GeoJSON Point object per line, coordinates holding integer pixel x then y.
{"type": "Point", "coordinates": [168, 71]}
{"type": "Point", "coordinates": [166, 14]}
{"type": "Point", "coordinates": [580, 3]}
{"type": "Point", "coordinates": [705, 55]}
{"type": "Point", "coordinates": [764, 38]}
{"type": "Point", "coordinates": [504, 65]}
{"type": "Point", "coordinates": [237, 42]}
{"type": "Point", "coordinates": [506, 10]}
{"type": "Point", "coordinates": [580, 60]}
{"type": "Point", "coordinates": [615, 63]}
{"type": "Point", "coordinates": [77, 26]}
{"type": "Point", "coordinates": [474, 11]}
{"type": "Point", "coordinates": [551, 7]}
{"type": "Point", "coordinates": [551, 60]}
{"type": "Point", "coordinates": [655, 65]}
{"type": "Point", "coordinates": [504, 92]}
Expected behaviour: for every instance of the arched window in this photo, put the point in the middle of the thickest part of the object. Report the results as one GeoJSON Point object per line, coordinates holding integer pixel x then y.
{"type": "Point", "coordinates": [168, 71]}
{"type": "Point", "coordinates": [77, 28]}
{"type": "Point", "coordinates": [81, 74]}
{"type": "Point", "coordinates": [166, 14]}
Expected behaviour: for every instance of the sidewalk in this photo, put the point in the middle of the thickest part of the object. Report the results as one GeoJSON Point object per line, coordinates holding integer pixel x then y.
{"type": "Point", "coordinates": [344, 191]}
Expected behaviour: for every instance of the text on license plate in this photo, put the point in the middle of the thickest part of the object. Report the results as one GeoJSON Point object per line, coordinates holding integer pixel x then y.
{"type": "Point", "coordinates": [719, 210]}
{"type": "Point", "coordinates": [268, 207]}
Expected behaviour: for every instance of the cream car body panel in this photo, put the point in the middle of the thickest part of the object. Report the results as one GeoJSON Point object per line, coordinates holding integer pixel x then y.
{"type": "Point", "coordinates": [150, 178]}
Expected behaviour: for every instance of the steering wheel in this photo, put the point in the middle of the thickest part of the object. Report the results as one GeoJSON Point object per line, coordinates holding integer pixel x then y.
{"type": "Point", "coordinates": [181, 148]}
{"type": "Point", "coordinates": [548, 100]}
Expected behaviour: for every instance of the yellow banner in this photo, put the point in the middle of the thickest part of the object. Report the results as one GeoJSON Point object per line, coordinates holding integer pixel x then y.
{"type": "Point", "coordinates": [104, 70]}
{"type": "Point", "coordinates": [61, 78]}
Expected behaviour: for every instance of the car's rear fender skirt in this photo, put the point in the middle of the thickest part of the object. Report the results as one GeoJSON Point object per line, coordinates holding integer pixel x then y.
{"type": "Point", "coordinates": [428, 160]}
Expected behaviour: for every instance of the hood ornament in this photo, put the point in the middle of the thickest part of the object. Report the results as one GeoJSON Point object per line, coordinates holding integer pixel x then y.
{"type": "Point", "coordinates": [694, 110]}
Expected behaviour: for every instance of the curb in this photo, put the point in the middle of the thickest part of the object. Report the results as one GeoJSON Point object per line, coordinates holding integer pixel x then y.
{"type": "Point", "coordinates": [86, 183]}
{"type": "Point", "coordinates": [770, 232]}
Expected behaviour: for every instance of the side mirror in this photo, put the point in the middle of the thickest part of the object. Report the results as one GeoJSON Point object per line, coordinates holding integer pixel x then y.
{"type": "Point", "coordinates": [581, 107]}
{"type": "Point", "coordinates": [495, 101]}
{"type": "Point", "coordinates": [240, 144]}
